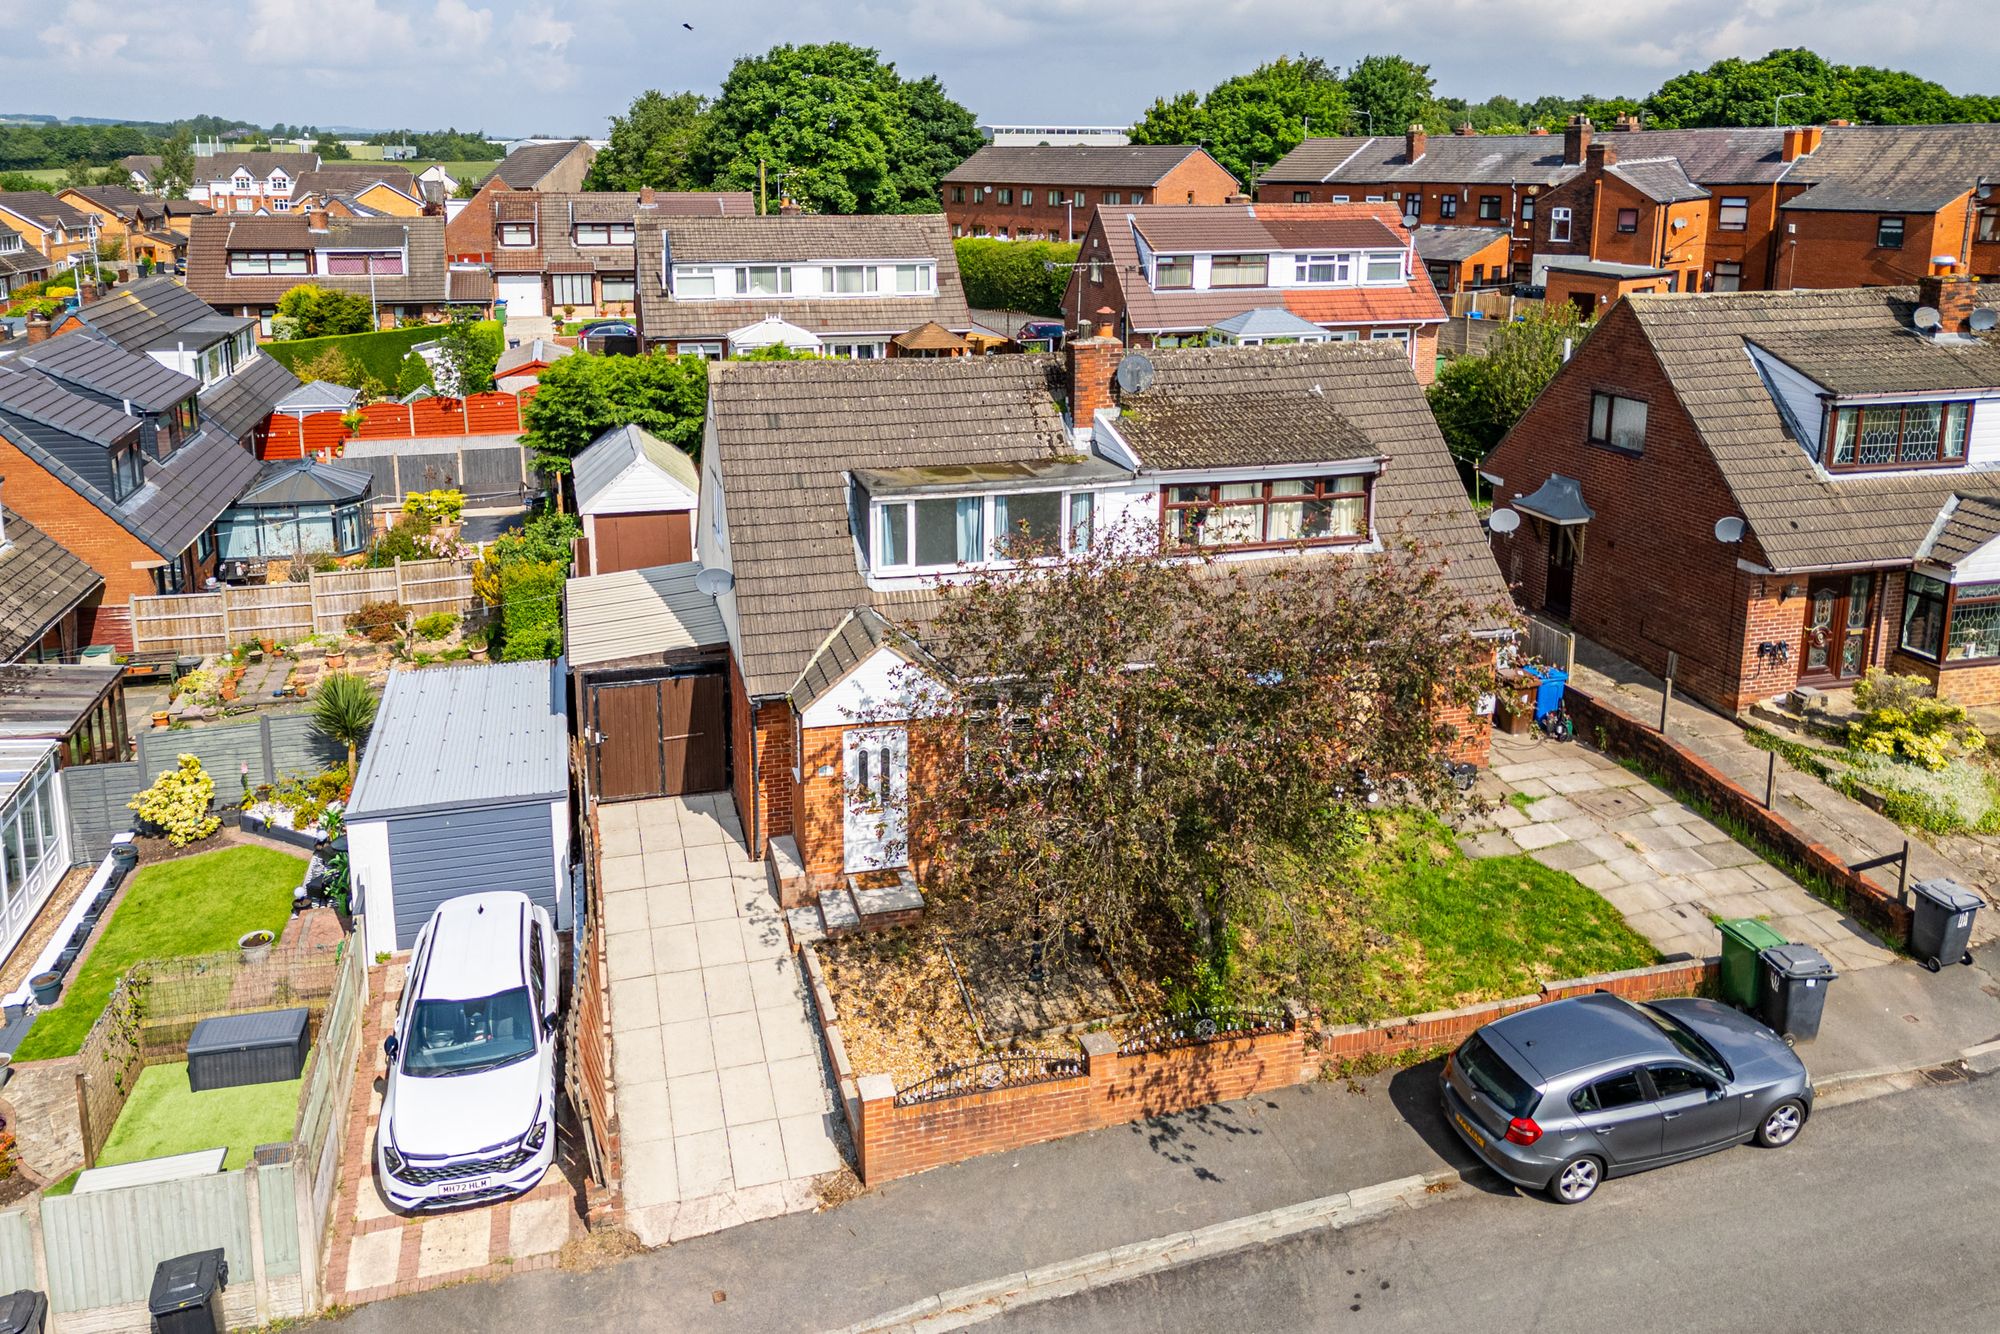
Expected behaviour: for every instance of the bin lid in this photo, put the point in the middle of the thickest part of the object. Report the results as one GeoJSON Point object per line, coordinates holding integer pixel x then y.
{"type": "Point", "coordinates": [1948, 894]}
{"type": "Point", "coordinates": [18, 1311]}
{"type": "Point", "coordinates": [238, 1032]}
{"type": "Point", "coordinates": [187, 1280]}
{"type": "Point", "coordinates": [1750, 933]}
{"type": "Point", "coordinates": [1796, 961]}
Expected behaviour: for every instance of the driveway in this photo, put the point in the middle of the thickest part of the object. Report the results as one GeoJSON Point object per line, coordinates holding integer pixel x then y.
{"type": "Point", "coordinates": [726, 1108]}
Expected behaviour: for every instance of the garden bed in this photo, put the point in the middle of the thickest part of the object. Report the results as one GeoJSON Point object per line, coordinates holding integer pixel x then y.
{"type": "Point", "coordinates": [199, 903]}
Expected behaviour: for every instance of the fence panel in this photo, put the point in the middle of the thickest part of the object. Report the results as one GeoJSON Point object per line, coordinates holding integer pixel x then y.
{"type": "Point", "coordinates": [217, 622]}
{"type": "Point", "coordinates": [278, 1217]}
{"type": "Point", "coordinates": [224, 751]}
{"type": "Point", "coordinates": [108, 1065]}
{"type": "Point", "coordinates": [17, 1252]}
{"type": "Point", "coordinates": [102, 1247]}
{"type": "Point", "coordinates": [328, 1085]}
{"type": "Point", "coordinates": [282, 611]}
{"type": "Point", "coordinates": [297, 747]}
{"type": "Point", "coordinates": [96, 794]}
{"type": "Point", "coordinates": [188, 622]}
{"type": "Point", "coordinates": [341, 593]}
{"type": "Point", "coordinates": [1552, 644]}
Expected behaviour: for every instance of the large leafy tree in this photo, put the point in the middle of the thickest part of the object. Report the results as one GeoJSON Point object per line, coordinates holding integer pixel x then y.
{"type": "Point", "coordinates": [1477, 399]}
{"type": "Point", "coordinates": [834, 128]}
{"type": "Point", "coordinates": [583, 397]}
{"type": "Point", "coordinates": [1745, 92]}
{"type": "Point", "coordinates": [653, 143]}
{"type": "Point", "coordinates": [1250, 121]}
{"type": "Point", "coordinates": [1146, 808]}
{"type": "Point", "coordinates": [1388, 94]}
{"type": "Point", "coordinates": [177, 164]}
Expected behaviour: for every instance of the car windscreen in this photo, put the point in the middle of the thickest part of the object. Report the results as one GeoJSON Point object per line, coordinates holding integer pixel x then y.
{"type": "Point", "coordinates": [1491, 1075]}
{"type": "Point", "coordinates": [459, 1037]}
{"type": "Point", "coordinates": [1690, 1043]}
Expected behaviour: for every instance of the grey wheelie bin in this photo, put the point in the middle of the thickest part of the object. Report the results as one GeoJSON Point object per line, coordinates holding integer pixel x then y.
{"type": "Point", "coordinates": [1792, 993]}
{"type": "Point", "coordinates": [1941, 922]}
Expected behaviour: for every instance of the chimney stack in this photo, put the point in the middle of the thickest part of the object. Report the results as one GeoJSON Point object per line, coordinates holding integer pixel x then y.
{"type": "Point", "coordinates": [1540, 131]}
{"type": "Point", "coordinates": [646, 195]}
{"type": "Point", "coordinates": [38, 327]}
{"type": "Point", "coordinates": [1601, 155]}
{"type": "Point", "coordinates": [1576, 140]}
{"type": "Point", "coordinates": [316, 218]}
{"type": "Point", "coordinates": [1415, 140]}
{"type": "Point", "coordinates": [786, 208]}
{"type": "Point", "coordinates": [1465, 130]}
{"type": "Point", "coordinates": [1237, 198]}
{"type": "Point", "coordinates": [1952, 294]}
{"type": "Point", "coordinates": [1091, 363]}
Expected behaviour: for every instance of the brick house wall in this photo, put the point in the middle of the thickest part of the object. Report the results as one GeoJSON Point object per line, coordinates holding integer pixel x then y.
{"type": "Point", "coordinates": [972, 209]}
{"type": "Point", "coordinates": [468, 237]}
{"type": "Point", "coordinates": [1838, 249]}
{"type": "Point", "coordinates": [760, 736]}
{"type": "Point", "coordinates": [1753, 245]}
{"type": "Point", "coordinates": [1593, 294]}
{"type": "Point", "coordinates": [1430, 207]}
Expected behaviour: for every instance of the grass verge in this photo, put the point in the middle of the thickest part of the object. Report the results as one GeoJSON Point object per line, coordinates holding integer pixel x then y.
{"type": "Point", "coordinates": [164, 1116]}
{"type": "Point", "coordinates": [193, 905]}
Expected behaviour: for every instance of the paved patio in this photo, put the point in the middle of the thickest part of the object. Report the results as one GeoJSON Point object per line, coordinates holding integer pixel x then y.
{"type": "Point", "coordinates": [726, 1109]}
{"type": "Point", "coordinates": [1659, 863]}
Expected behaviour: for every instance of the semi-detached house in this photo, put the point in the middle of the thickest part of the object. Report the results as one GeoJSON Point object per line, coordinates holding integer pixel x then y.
{"type": "Point", "coordinates": [575, 254]}
{"type": "Point", "coordinates": [1778, 488]}
{"type": "Point", "coordinates": [244, 265]}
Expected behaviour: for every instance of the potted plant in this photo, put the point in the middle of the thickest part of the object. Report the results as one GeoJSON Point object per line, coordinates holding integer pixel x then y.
{"type": "Point", "coordinates": [47, 988]}
{"type": "Point", "coordinates": [161, 718]}
{"type": "Point", "coordinates": [255, 945]}
{"type": "Point", "coordinates": [336, 659]}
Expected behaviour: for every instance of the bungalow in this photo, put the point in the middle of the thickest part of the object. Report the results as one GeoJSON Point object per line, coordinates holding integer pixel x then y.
{"type": "Point", "coordinates": [572, 252]}
{"type": "Point", "coordinates": [1770, 489]}
{"type": "Point", "coordinates": [1169, 274]}
{"type": "Point", "coordinates": [833, 497]}
{"type": "Point", "coordinates": [713, 286]}
{"type": "Point", "coordinates": [244, 265]}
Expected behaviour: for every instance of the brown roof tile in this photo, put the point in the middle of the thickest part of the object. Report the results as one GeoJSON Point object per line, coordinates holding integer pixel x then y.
{"type": "Point", "coordinates": [211, 238]}
{"type": "Point", "coordinates": [1132, 165]}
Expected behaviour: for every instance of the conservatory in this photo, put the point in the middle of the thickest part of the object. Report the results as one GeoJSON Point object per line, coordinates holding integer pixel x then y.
{"type": "Point", "coordinates": [298, 507]}
{"type": "Point", "coordinates": [34, 835]}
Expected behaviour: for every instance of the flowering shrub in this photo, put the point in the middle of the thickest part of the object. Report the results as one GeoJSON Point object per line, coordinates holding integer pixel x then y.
{"type": "Point", "coordinates": [177, 803]}
{"type": "Point", "coordinates": [1901, 719]}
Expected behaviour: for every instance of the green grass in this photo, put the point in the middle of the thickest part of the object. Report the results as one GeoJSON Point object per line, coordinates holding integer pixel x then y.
{"type": "Point", "coordinates": [164, 1116]}
{"type": "Point", "coordinates": [379, 354]}
{"type": "Point", "coordinates": [64, 1187]}
{"type": "Point", "coordinates": [193, 905]}
{"type": "Point", "coordinates": [1520, 801]}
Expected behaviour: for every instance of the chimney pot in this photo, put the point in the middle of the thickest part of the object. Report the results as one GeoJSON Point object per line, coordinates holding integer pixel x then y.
{"type": "Point", "coordinates": [1540, 130]}
{"type": "Point", "coordinates": [1465, 129]}
{"type": "Point", "coordinates": [789, 209]}
{"type": "Point", "coordinates": [1092, 362]}
{"type": "Point", "coordinates": [1601, 155]}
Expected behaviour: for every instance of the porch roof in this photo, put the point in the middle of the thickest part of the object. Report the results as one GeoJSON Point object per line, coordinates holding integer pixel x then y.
{"type": "Point", "coordinates": [46, 700]}
{"type": "Point", "coordinates": [1559, 500]}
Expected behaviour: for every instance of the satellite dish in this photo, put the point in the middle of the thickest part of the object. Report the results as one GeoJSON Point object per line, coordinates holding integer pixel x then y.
{"type": "Point", "coordinates": [1729, 529]}
{"type": "Point", "coordinates": [1135, 373]}
{"type": "Point", "coordinates": [1983, 321]}
{"type": "Point", "coordinates": [714, 582]}
{"type": "Point", "coordinates": [1927, 318]}
{"type": "Point", "coordinates": [1503, 520]}
{"type": "Point", "coordinates": [1680, 223]}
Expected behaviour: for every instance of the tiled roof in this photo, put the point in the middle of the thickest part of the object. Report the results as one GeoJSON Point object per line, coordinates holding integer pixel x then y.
{"type": "Point", "coordinates": [93, 362]}
{"type": "Point", "coordinates": [221, 166]}
{"type": "Point", "coordinates": [1798, 516]}
{"type": "Point", "coordinates": [1965, 524]}
{"type": "Point", "coordinates": [781, 239]}
{"type": "Point", "coordinates": [524, 168]}
{"type": "Point", "coordinates": [1730, 156]}
{"type": "Point", "coordinates": [140, 314]}
{"type": "Point", "coordinates": [1218, 430]}
{"type": "Point", "coordinates": [468, 284]}
{"type": "Point", "coordinates": [39, 399]}
{"type": "Point", "coordinates": [1130, 165]}
{"type": "Point", "coordinates": [1265, 227]}
{"type": "Point", "coordinates": [1867, 168]}
{"type": "Point", "coordinates": [24, 263]}
{"type": "Point", "coordinates": [238, 403]}
{"type": "Point", "coordinates": [1875, 361]}
{"type": "Point", "coordinates": [146, 164]}
{"type": "Point", "coordinates": [118, 198]}
{"type": "Point", "coordinates": [351, 178]}
{"type": "Point", "coordinates": [853, 642]}
{"type": "Point", "coordinates": [211, 238]}
{"type": "Point", "coordinates": [40, 580]}
{"type": "Point", "coordinates": [43, 209]}
{"type": "Point", "coordinates": [1660, 179]}
{"type": "Point", "coordinates": [1447, 244]}
{"type": "Point", "coordinates": [787, 432]}
{"type": "Point", "coordinates": [190, 490]}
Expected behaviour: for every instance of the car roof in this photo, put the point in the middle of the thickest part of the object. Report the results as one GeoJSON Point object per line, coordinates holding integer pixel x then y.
{"type": "Point", "coordinates": [475, 947]}
{"type": "Point", "coordinates": [1581, 1033]}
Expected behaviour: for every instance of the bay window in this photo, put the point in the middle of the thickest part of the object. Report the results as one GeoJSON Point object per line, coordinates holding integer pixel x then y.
{"type": "Point", "coordinates": [1923, 616]}
{"type": "Point", "coordinates": [1266, 514]}
{"type": "Point", "coordinates": [1171, 271]}
{"type": "Point", "coordinates": [1974, 628]}
{"type": "Point", "coordinates": [1898, 435]}
{"type": "Point", "coordinates": [1238, 270]}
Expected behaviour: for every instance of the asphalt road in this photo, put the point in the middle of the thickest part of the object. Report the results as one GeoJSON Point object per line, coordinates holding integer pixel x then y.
{"type": "Point", "coordinates": [1880, 1217]}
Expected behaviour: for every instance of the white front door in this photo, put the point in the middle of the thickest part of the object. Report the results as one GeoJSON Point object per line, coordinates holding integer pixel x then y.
{"type": "Point", "coordinates": [877, 825]}
{"type": "Point", "coordinates": [521, 292]}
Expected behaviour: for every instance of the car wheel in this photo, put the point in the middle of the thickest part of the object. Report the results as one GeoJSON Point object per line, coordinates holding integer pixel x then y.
{"type": "Point", "coordinates": [1576, 1180]}
{"type": "Point", "coordinates": [1781, 1125]}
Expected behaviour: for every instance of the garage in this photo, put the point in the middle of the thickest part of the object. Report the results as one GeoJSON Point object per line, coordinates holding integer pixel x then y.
{"type": "Point", "coordinates": [648, 658]}
{"type": "Point", "coordinates": [463, 789]}
{"type": "Point", "coordinates": [636, 495]}
{"type": "Point", "coordinates": [522, 292]}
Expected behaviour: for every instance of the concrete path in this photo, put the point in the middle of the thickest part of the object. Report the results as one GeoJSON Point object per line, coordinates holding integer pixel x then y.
{"type": "Point", "coordinates": [1655, 860]}
{"type": "Point", "coordinates": [725, 1104]}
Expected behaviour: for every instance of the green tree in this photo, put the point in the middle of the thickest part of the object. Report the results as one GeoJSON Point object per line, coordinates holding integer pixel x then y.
{"type": "Point", "coordinates": [331, 148]}
{"type": "Point", "coordinates": [1250, 121]}
{"type": "Point", "coordinates": [1477, 399]}
{"type": "Point", "coordinates": [78, 173]}
{"type": "Point", "coordinates": [653, 143]}
{"type": "Point", "coordinates": [1388, 94]}
{"type": "Point", "coordinates": [322, 310]}
{"type": "Point", "coordinates": [583, 397]}
{"type": "Point", "coordinates": [343, 711]}
{"type": "Point", "coordinates": [177, 164]}
{"type": "Point", "coordinates": [833, 127]}
{"type": "Point", "coordinates": [468, 352]}
{"type": "Point", "coordinates": [1015, 275]}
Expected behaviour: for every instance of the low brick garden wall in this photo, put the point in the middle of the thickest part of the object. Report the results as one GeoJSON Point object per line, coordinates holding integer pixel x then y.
{"type": "Point", "coordinates": [1868, 902]}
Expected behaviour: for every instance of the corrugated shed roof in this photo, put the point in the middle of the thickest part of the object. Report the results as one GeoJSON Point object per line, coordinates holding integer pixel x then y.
{"type": "Point", "coordinates": [455, 737]}
{"type": "Point", "coordinates": [93, 362]}
{"type": "Point", "coordinates": [40, 580]}
{"type": "Point", "coordinates": [638, 614]}
{"type": "Point", "coordinates": [1450, 244]}
{"type": "Point", "coordinates": [614, 454]}
{"type": "Point", "coordinates": [1130, 165]}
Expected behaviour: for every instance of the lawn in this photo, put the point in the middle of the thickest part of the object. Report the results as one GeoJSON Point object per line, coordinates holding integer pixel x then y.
{"type": "Point", "coordinates": [192, 905]}
{"type": "Point", "coordinates": [1434, 929]}
{"type": "Point", "coordinates": [380, 354]}
{"type": "Point", "coordinates": [164, 1116]}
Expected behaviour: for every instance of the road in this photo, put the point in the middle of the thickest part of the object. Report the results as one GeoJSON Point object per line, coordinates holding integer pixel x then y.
{"type": "Point", "coordinates": [1879, 1217]}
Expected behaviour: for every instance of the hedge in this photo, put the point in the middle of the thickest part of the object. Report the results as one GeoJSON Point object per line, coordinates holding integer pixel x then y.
{"type": "Point", "coordinates": [378, 354]}
{"type": "Point", "coordinates": [1014, 275]}
{"type": "Point", "coordinates": [531, 610]}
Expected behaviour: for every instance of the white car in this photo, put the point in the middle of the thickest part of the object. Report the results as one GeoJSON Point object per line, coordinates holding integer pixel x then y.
{"type": "Point", "coordinates": [470, 1110]}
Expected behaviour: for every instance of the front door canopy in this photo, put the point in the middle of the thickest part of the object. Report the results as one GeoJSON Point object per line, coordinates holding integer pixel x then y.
{"type": "Point", "coordinates": [1558, 500]}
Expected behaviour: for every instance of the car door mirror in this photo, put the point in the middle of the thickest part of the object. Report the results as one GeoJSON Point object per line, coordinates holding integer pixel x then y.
{"type": "Point", "coordinates": [390, 1046]}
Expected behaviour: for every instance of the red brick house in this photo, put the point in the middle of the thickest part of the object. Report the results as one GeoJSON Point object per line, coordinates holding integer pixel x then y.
{"type": "Point", "coordinates": [1048, 192]}
{"type": "Point", "coordinates": [244, 265]}
{"type": "Point", "coordinates": [555, 167]}
{"type": "Point", "coordinates": [1178, 276]}
{"type": "Point", "coordinates": [834, 511]}
{"type": "Point", "coordinates": [1780, 488]}
{"type": "Point", "coordinates": [574, 254]}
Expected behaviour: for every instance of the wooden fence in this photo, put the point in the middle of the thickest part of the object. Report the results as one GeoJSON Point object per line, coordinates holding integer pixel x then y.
{"type": "Point", "coordinates": [1551, 644]}
{"type": "Point", "coordinates": [217, 622]}
{"type": "Point", "coordinates": [320, 1132]}
{"type": "Point", "coordinates": [587, 1072]}
{"type": "Point", "coordinates": [496, 413]}
{"type": "Point", "coordinates": [1492, 303]}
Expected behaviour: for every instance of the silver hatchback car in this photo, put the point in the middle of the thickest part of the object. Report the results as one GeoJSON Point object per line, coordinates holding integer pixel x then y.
{"type": "Point", "coordinates": [1564, 1095]}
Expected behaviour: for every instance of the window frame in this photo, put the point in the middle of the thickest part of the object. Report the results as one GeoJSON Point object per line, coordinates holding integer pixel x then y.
{"type": "Point", "coordinates": [695, 272]}
{"type": "Point", "coordinates": [1006, 194]}
{"type": "Point", "coordinates": [1738, 205]}
{"type": "Point", "coordinates": [1916, 592]}
{"type": "Point", "coordinates": [1606, 436]}
{"type": "Point", "coordinates": [1561, 218]}
{"type": "Point", "coordinates": [1302, 196]}
{"type": "Point", "coordinates": [502, 230]}
{"type": "Point", "coordinates": [1237, 259]}
{"type": "Point", "coordinates": [1448, 205]}
{"type": "Point", "coordinates": [1628, 221]}
{"type": "Point", "coordinates": [1489, 208]}
{"type": "Point", "coordinates": [988, 557]}
{"type": "Point", "coordinates": [1371, 258]}
{"type": "Point", "coordinates": [1178, 266]}
{"type": "Point", "coordinates": [1341, 262]}
{"type": "Point", "coordinates": [744, 280]}
{"type": "Point", "coordinates": [1887, 223]}
{"type": "Point", "coordinates": [559, 282]}
{"type": "Point", "coordinates": [1269, 498]}
{"type": "Point", "coordinates": [1830, 435]}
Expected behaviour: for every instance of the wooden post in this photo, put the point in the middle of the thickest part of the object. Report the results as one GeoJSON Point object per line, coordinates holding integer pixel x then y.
{"type": "Point", "coordinates": [83, 1118]}
{"type": "Point", "coordinates": [1666, 702]}
{"type": "Point", "coordinates": [399, 582]}
{"type": "Point", "coordinates": [1770, 778]}
{"type": "Point", "coordinates": [1903, 875]}
{"type": "Point", "coordinates": [223, 598]}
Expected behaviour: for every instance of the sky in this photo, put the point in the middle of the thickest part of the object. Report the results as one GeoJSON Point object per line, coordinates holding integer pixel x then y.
{"type": "Point", "coordinates": [526, 67]}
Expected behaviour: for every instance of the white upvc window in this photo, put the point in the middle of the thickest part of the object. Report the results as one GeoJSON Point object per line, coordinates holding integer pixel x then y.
{"type": "Point", "coordinates": [1323, 269]}
{"type": "Point", "coordinates": [1559, 224]}
{"type": "Point", "coordinates": [517, 234]}
{"type": "Point", "coordinates": [604, 233]}
{"type": "Point", "coordinates": [706, 351]}
{"type": "Point", "coordinates": [1384, 267]}
{"type": "Point", "coordinates": [848, 279]}
{"type": "Point", "coordinates": [764, 280]}
{"type": "Point", "coordinates": [916, 279]}
{"type": "Point", "coordinates": [1389, 335]}
{"type": "Point", "coordinates": [694, 282]}
{"type": "Point", "coordinates": [932, 533]}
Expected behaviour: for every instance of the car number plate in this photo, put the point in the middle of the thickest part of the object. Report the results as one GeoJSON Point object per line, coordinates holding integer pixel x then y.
{"type": "Point", "coordinates": [1478, 1139]}
{"type": "Point", "coordinates": [465, 1187]}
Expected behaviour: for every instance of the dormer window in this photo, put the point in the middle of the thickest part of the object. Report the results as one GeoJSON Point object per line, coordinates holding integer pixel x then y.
{"type": "Point", "coordinates": [1385, 268]}
{"type": "Point", "coordinates": [278, 181]}
{"type": "Point", "coordinates": [693, 281]}
{"type": "Point", "coordinates": [1172, 271]}
{"type": "Point", "coordinates": [517, 235]}
{"type": "Point", "coordinates": [927, 535]}
{"type": "Point", "coordinates": [1239, 271]}
{"type": "Point", "coordinates": [1898, 435]}
{"type": "Point", "coordinates": [604, 233]}
{"type": "Point", "coordinates": [764, 280]}
{"type": "Point", "coordinates": [1312, 510]}
{"type": "Point", "coordinates": [241, 180]}
{"type": "Point", "coordinates": [1323, 269]}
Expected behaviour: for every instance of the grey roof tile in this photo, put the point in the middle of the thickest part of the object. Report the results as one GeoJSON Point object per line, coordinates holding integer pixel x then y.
{"type": "Point", "coordinates": [40, 580]}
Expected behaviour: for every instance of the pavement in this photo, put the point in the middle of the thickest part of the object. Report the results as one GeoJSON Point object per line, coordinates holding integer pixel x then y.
{"type": "Point", "coordinates": [1874, 1219]}
{"type": "Point", "coordinates": [726, 1108]}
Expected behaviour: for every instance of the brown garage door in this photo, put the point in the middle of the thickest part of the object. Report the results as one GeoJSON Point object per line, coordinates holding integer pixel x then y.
{"type": "Point", "coordinates": [659, 738]}
{"type": "Point", "coordinates": [640, 541]}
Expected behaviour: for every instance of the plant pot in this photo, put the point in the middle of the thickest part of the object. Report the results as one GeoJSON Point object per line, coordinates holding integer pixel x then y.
{"type": "Point", "coordinates": [64, 960]}
{"type": "Point", "coordinates": [479, 654]}
{"type": "Point", "coordinates": [268, 645]}
{"type": "Point", "coordinates": [228, 691]}
{"type": "Point", "coordinates": [336, 660]}
{"type": "Point", "coordinates": [188, 662]}
{"type": "Point", "coordinates": [124, 856]}
{"type": "Point", "coordinates": [160, 718]}
{"type": "Point", "coordinates": [80, 937]}
{"type": "Point", "coordinates": [231, 816]}
{"type": "Point", "coordinates": [256, 946]}
{"type": "Point", "coordinates": [47, 988]}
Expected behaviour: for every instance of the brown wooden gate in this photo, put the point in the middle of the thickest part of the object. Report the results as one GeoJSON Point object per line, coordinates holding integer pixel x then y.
{"type": "Point", "coordinates": [660, 737]}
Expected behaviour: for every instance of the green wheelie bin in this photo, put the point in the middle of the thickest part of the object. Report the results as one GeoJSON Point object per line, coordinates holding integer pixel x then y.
{"type": "Point", "coordinates": [1743, 939]}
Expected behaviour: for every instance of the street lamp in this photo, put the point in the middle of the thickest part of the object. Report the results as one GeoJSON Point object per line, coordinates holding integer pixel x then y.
{"type": "Point", "coordinates": [1778, 102]}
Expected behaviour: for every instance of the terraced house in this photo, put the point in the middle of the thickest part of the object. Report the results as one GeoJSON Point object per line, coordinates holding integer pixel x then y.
{"type": "Point", "coordinates": [1048, 192]}
{"type": "Point", "coordinates": [842, 286]}
{"type": "Point", "coordinates": [1779, 488]}
{"type": "Point", "coordinates": [1173, 275]}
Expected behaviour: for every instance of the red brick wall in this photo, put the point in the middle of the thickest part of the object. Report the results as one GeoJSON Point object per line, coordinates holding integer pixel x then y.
{"type": "Point", "coordinates": [1839, 250]}
{"type": "Point", "coordinates": [84, 529]}
{"type": "Point", "coordinates": [762, 767]}
{"type": "Point", "coordinates": [820, 818]}
{"type": "Point", "coordinates": [1197, 180]}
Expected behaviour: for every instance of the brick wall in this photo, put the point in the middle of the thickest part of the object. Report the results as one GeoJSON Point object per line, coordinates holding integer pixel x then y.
{"type": "Point", "coordinates": [764, 790]}
{"type": "Point", "coordinates": [122, 559]}
{"type": "Point", "coordinates": [1838, 249]}
{"type": "Point", "coordinates": [819, 820]}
